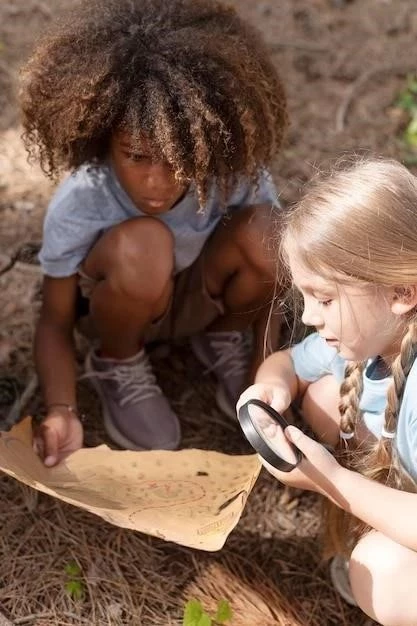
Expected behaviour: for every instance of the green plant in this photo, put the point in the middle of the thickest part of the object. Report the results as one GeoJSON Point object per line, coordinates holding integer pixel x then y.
{"type": "Point", "coordinates": [195, 615]}
{"type": "Point", "coordinates": [407, 101]}
{"type": "Point", "coordinates": [74, 585]}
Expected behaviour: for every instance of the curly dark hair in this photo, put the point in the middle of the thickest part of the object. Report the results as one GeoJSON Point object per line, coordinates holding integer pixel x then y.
{"type": "Point", "coordinates": [189, 74]}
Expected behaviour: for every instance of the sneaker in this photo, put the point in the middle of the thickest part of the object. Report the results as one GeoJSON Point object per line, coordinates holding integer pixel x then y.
{"type": "Point", "coordinates": [137, 416]}
{"type": "Point", "coordinates": [339, 574]}
{"type": "Point", "coordinates": [226, 354]}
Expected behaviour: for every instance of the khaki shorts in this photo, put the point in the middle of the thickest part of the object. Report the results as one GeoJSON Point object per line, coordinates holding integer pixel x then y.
{"type": "Point", "coordinates": [190, 310]}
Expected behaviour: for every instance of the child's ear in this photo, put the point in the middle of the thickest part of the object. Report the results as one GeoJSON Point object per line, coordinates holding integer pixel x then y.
{"type": "Point", "coordinates": [404, 299]}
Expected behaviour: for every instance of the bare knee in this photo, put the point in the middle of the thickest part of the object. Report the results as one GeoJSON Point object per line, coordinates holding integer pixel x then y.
{"type": "Point", "coordinates": [320, 408]}
{"type": "Point", "coordinates": [383, 575]}
{"type": "Point", "coordinates": [137, 258]}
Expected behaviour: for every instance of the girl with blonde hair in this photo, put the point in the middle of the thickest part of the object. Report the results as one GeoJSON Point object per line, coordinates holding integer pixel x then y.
{"type": "Point", "coordinates": [350, 246]}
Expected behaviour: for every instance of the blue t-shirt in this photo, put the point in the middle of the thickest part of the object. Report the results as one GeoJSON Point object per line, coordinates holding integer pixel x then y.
{"type": "Point", "coordinates": [91, 200]}
{"type": "Point", "coordinates": [314, 358]}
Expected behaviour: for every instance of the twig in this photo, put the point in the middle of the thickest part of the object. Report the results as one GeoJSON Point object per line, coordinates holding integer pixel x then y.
{"type": "Point", "coordinates": [4, 621]}
{"type": "Point", "coordinates": [43, 9]}
{"type": "Point", "coordinates": [21, 402]}
{"type": "Point", "coordinates": [342, 111]}
{"type": "Point", "coordinates": [21, 257]}
{"type": "Point", "coordinates": [30, 618]}
{"type": "Point", "coordinates": [9, 265]}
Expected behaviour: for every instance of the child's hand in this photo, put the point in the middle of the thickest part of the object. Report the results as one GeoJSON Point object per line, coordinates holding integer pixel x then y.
{"type": "Point", "coordinates": [279, 398]}
{"type": "Point", "coordinates": [318, 471]}
{"type": "Point", "coordinates": [58, 435]}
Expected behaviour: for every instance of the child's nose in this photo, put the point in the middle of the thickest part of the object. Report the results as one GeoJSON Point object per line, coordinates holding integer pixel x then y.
{"type": "Point", "coordinates": [312, 316]}
{"type": "Point", "coordinates": [160, 176]}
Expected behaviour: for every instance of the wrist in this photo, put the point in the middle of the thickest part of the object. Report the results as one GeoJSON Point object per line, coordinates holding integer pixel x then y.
{"type": "Point", "coordinates": [342, 479]}
{"type": "Point", "coordinates": [62, 408]}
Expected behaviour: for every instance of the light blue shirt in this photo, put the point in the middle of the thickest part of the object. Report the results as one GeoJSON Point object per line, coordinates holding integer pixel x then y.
{"type": "Point", "coordinates": [313, 358]}
{"type": "Point", "coordinates": [91, 200]}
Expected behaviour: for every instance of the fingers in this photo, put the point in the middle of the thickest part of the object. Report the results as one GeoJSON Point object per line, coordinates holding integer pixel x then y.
{"type": "Point", "coordinates": [294, 434]}
{"type": "Point", "coordinates": [279, 398]}
{"type": "Point", "coordinates": [308, 446]}
{"type": "Point", "coordinates": [249, 393]}
{"type": "Point", "coordinates": [279, 443]}
{"type": "Point", "coordinates": [38, 446]}
{"type": "Point", "coordinates": [50, 445]}
{"type": "Point", "coordinates": [280, 401]}
{"type": "Point", "coordinates": [272, 434]}
{"type": "Point", "coordinates": [259, 417]}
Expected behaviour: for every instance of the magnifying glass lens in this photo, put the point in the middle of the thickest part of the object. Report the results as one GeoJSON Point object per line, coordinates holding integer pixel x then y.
{"type": "Point", "coordinates": [272, 432]}
{"type": "Point", "coordinates": [264, 428]}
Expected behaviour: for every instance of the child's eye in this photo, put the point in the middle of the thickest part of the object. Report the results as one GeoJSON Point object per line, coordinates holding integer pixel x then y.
{"type": "Point", "coordinates": [325, 302]}
{"type": "Point", "coordinates": [132, 156]}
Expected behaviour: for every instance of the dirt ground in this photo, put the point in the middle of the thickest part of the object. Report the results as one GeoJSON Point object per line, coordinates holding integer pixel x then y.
{"type": "Point", "coordinates": [344, 64]}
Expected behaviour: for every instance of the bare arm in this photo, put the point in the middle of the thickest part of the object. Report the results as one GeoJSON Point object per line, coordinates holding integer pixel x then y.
{"type": "Point", "coordinates": [391, 511]}
{"type": "Point", "coordinates": [54, 343]}
{"type": "Point", "coordinates": [278, 370]}
{"type": "Point", "coordinates": [61, 431]}
{"type": "Point", "coordinates": [275, 382]}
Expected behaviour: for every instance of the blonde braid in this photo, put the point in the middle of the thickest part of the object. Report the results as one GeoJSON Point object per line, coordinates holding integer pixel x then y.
{"type": "Point", "coordinates": [382, 461]}
{"type": "Point", "coordinates": [350, 395]}
{"type": "Point", "coordinates": [337, 521]}
{"type": "Point", "coordinates": [400, 370]}
{"type": "Point", "coordinates": [379, 461]}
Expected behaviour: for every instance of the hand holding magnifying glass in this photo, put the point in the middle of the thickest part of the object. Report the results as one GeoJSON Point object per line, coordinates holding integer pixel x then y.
{"type": "Point", "coordinates": [264, 429]}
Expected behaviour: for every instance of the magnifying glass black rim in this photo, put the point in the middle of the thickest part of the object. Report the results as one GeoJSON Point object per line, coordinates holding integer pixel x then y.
{"type": "Point", "coordinates": [258, 443]}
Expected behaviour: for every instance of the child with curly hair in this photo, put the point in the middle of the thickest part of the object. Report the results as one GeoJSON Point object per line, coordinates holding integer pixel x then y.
{"type": "Point", "coordinates": [167, 115]}
{"type": "Point", "coordinates": [351, 247]}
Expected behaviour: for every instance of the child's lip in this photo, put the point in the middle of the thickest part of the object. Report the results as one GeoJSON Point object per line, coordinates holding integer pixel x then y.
{"type": "Point", "coordinates": [154, 201]}
{"type": "Point", "coordinates": [154, 204]}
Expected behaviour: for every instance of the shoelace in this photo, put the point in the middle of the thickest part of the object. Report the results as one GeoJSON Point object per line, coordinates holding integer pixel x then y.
{"type": "Point", "coordinates": [135, 382]}
{"type": "Point", "coordinates": [231, 350]}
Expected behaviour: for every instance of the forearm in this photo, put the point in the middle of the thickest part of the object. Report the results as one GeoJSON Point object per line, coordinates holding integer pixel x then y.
{"type": "Point", "coordinates": [390, 511]}
{"type": "Point", "coordinates": [55, 364]}
{"type": "Point", "coordinates": [278, 370]}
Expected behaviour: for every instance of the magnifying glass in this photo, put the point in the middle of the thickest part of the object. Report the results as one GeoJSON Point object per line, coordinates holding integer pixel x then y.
{"type": "Point", "coordinates": [259, 423]}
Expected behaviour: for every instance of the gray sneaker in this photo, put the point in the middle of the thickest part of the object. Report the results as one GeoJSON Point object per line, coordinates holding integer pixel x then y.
{"type": "Point", "coordinates": [137, 416]}
{"type": "Point", "coordinates": [226, 354]}
{"type": "Point", "coordinates": [339, 574]}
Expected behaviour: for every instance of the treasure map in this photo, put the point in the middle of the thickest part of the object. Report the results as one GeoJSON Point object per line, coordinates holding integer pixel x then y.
{"type": "Point", "coordinates": [192, 497]}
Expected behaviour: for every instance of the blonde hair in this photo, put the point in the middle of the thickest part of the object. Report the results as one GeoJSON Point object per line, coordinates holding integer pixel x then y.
{"type": "Point", "coordinates": [359, 223]}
